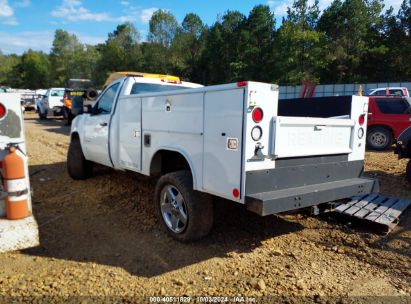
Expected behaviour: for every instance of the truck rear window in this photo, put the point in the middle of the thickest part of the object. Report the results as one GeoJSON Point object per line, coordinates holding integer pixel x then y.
{"type": "Point", "coordinates": [392, 106]}
{"type": "Point", "coordinates": [140, 88]}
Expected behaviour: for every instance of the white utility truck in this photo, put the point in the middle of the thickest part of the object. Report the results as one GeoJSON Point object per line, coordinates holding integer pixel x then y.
{"type": "Point", "coordinates": [230, 141]}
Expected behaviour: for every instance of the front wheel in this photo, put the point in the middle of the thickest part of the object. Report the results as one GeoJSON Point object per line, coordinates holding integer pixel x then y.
{"type": "Point", "coordinates": [78, 166]}
{"type": "Point", "coordinates": [379, 138]}
{"type": "Point", "coordinates": [185, 214]}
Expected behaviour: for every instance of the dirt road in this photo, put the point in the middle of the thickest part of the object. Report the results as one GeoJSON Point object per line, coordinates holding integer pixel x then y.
{"type": "Point", "coordinates": [99, 237]}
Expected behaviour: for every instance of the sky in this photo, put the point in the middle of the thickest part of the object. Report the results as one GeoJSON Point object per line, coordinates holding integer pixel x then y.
{"type": "Point", "coordinates": [31, 24]}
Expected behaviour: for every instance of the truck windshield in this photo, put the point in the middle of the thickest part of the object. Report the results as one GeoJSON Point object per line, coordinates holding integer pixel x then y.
{"type": "Point", "coordinates": [139, 88]}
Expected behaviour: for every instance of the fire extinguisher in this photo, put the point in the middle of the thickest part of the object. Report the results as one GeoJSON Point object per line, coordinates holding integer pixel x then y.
{"type": "Point", "coordinates": [16, 185]}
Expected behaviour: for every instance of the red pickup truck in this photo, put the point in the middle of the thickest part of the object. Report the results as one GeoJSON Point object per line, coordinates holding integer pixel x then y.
{"type": "Point", "coordinates": [388, 116]}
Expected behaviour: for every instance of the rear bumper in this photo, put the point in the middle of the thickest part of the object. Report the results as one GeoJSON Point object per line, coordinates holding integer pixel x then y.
{"type": "Point", "coordinates": [303, 182]}
{"type": "Point", "coordinates": [300, 197]}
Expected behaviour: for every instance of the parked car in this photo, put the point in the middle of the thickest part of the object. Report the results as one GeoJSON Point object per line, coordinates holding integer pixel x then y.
{"type": "Point", "coordinates": [388, 117]}
{"type": "Point", "coordinates": [52, 103]}
{"type": "Point", "coordinates": [390, 91]}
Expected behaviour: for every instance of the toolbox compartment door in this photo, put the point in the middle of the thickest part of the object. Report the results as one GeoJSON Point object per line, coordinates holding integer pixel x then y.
{"type": "Point", "coordinates": [310, 136]}
{"type": "Point", "coordinates": [223, 128]}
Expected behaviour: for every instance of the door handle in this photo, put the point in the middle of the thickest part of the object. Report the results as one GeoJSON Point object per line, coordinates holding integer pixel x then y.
{"type": "Point", "coordinates": [103, 124]}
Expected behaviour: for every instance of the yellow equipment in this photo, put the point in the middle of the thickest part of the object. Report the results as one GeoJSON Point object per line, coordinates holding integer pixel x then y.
{"type": "Point", "coordinates": [116, 75]}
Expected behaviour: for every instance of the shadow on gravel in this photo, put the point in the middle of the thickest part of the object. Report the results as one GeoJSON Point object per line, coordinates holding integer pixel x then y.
{"type": "Point", "coordinates": [54, 125]}
{"type": "Point", "coordinates": [109, 220]}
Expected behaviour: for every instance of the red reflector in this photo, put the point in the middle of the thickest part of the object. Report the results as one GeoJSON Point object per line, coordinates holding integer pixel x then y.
{"type": "Point", "coordinates": [236, 192]}
{"type": "Point", "coordinates": [257, 115]}
{"type": "Point", "coordinates": [2, 110]}
{"type": "Point", "coordinates": [361, 119]}
{"type": "Point", "coordinates": [242, 83]}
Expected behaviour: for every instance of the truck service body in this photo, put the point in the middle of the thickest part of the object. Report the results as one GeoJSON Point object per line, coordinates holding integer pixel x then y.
{"type": "Point", "coordinates": [231, 142]}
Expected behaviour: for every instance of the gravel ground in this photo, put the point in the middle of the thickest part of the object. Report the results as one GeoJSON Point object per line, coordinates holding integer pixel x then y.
{"type": "Point", "coordinates": [100, 241]}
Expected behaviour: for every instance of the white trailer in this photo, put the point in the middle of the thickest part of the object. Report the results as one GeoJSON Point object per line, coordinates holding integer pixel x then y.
{"type": "Point", "coordinates": [228, 141]}
{"type": "Point", "coordinates": [23, 233]}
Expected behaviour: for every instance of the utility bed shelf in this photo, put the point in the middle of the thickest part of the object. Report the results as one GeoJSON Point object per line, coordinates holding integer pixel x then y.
{"type": "Point", "coordinates": [375, 208]}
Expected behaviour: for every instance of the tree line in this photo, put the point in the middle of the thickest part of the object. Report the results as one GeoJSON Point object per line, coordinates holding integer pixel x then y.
{"type": "Point", "coordinates": [350, 41]}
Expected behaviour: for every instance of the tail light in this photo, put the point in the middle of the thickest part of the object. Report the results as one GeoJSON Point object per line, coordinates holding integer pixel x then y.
{"type": "Point", "coordinates": [236, 192]}
{"type": "Point", "coordinates": [3, 111]}
{"type": "Point", "coordinates": [242, 83]}
{"type": "Point", "coordinates": [361, 119]}
{"type": "Point", "coordinates": [405, 92]}
{"type": "Point", "coordinates": [257, 114]}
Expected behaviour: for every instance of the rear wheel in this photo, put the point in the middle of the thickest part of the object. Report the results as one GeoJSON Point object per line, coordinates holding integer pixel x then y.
{"type": "Point", "coordinates": [77, 166]}
{"type": "Point", "coordinates": [379, 138]}
{"type": "Point", "coordinates": [185, 214]}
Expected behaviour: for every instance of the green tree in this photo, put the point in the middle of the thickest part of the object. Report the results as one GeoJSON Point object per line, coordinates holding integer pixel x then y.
{"type": "Point", "coordinates": [120, 52]}
{"type": "Point", "coordinates": [223, 57]}
{"type": "Point", "coordinates": [7, 64]}
{"type": "Point", "coordinates": [299, 46]}
{"type": "Point", "coordinates": [350, 29]}
{"type": "Point", "coordinates": [163, 28]}
{"type": "Point", "coordinates": [34, 71]}
{"type": "Point", "coordinates": [187, 47]}
{"type": "Point", "coordinates": [63, 54]}
{"type": "Point", "coordinates": [259, 33]}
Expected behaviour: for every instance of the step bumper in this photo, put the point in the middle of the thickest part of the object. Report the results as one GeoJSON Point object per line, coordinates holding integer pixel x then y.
{"type": "Point", "coordinates": [277, 201]}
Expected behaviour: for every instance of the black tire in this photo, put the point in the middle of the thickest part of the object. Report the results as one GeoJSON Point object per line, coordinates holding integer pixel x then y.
{"type": "Point", "coordinates": [198, 207]}
{"type": "Point", "coordinates": [77, 166]}
{"type": "Point", "coordinates": [379, 138]}
{"type": "Point", "coordinates": [67, 117]}
{"type": "Point", "coordinates": [408, 171]}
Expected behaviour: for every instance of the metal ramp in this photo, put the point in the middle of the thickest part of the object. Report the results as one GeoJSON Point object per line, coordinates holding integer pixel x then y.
{"type": "Point", "coordinates": [377, 209]}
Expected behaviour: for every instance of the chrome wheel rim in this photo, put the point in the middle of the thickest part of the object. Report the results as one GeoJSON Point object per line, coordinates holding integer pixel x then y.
{"type": "Point", "coordinates": [379, 139]}
{"type": "Point", "coordinates": [173, 209]}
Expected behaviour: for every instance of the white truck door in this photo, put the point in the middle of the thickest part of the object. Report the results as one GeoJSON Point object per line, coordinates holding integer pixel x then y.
{"type": "Point", "coordinates": [96, 127]}
{"type": "Point", "coordinates": [223, 128]}
{"type": "Point", "coordinates": [130, 133]}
